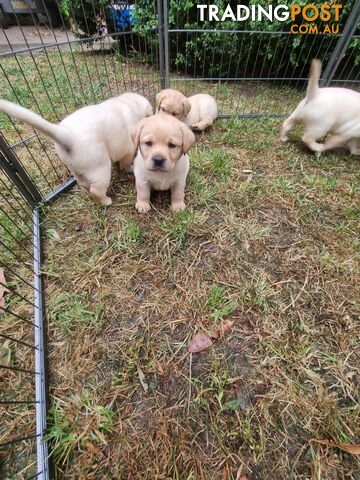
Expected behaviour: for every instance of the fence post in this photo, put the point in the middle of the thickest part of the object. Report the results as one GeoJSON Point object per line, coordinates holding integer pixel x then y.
{"type": "Point", "coordinates": [42, 453]}
{"type": "Point", "coordinates": [342, 45]}
{"type": "Point", "coordinates": [162, 6]}
{"type": "Point", "coordinates": [166, 45]}
{"type": "Point", "coordinates": [17, 174]}
{"type": "Point", "coordinates": [161, 42]}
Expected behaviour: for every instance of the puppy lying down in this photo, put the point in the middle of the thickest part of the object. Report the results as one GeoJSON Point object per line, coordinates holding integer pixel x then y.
{"type": "Point", "coordinates": [161, 162]}
{"type": "Point", "coordinates": [198, 111]}
{"type": "Point", "coordinates": [330, 112]}
{"type": "Point", "coordinates": [89, 140]}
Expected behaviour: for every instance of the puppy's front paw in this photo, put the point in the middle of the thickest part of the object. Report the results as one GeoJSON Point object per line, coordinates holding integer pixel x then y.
{"type": "Point", "coordinates": [106, 201]}
{"type": "Point", "coordinates": [283, 138]}
{"type": "Point", "coordinates": [318, 150]}
{"type": "Point", "coordinates": [142, 207]}
{"type": "Point", "coordinates": [178, 207]}
{"type": "Point", "coordinates": [196, 129]}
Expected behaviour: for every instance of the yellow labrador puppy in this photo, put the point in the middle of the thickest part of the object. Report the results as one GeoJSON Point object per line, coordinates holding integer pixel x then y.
{"type": "Point", "coordinates": [161, 162]}
{"type": "Point", "coordinates": [89, 140]}
{"type": "Point", "coordinates": [331, 112]}
{"type": "Point", "coordinates": [198, 111]}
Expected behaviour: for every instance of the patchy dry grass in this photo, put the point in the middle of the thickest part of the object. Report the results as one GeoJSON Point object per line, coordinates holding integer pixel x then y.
{"type": "Point", "coordinates": [270, 241]}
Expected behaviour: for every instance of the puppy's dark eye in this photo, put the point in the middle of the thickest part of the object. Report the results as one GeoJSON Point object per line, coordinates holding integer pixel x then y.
{"type": "Point", "coordinates": [173, 114]}
{"type": "Point", "coordinates": [148, 143]}
{"type": "Point", "coordinates": [171, 145]}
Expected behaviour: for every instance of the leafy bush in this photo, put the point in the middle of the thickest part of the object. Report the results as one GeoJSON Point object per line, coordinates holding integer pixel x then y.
{"type": "Point", "coordinates": [86, 16]}
{"type": "Point", "coordinates": [272, 54]}
{"type": "Point", "coordinates": [231, 53]}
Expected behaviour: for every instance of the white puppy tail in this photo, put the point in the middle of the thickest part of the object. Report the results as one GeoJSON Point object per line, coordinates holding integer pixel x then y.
{"type": "Point", "coordinates": [313, 83]}
{"type": "Point", "coordinates": [56, 132]}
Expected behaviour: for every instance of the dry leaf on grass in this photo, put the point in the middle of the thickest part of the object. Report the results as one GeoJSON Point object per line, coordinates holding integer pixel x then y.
{"type": "Point", "coordinates": [347, 447]}
{"type": "Point", "coordinates": [3, 289]}
{"type": "Point", "coordinates": [199, 343]}
{"type": "Point", "coordinates": [225, 473]}
{"type": "Point", "coordinates": [54, 234]}
{"type": "Point", "coordinates": [144, 385]}
{"type": "Point", "coordinates": [160, 369]}
{"type": "Point", "coordinates": [219, 332]}
{"type": "Point", "coordinates": [202, 341]}
{"type": "Point", "coordinates": [93, 449]}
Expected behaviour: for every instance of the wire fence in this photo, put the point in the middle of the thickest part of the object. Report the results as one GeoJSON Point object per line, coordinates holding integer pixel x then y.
{"type": "Point", "coordinates": [252, 69]}
{"type": "Point", "coordinates": [252, 72]}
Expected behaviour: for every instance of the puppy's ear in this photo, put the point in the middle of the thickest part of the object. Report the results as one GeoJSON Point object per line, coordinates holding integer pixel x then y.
{"type": "Point", "coordinates": [188, 137]}
{"type": "Point", "coordinates": [186, 106]}
{"type": "Point", "coordinates": [135, 134]}
{"type": "Point", "coordinates": [159, 98]}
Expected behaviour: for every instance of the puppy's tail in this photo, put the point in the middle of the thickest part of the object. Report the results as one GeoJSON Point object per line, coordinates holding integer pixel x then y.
{"type": "Point", "coordinates": [56, 132]}
{"type": "Point", "coordinates": [313, 83]}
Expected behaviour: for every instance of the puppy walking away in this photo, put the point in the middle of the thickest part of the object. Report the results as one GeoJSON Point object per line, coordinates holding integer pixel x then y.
{"type": "Point", "coordinates": [330, 112]}
{"type": "Point", "coordinates": [89, 140]}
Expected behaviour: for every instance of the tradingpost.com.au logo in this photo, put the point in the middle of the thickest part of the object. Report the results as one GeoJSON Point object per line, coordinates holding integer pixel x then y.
{"type": "Point", "coordinates": [328, 13]}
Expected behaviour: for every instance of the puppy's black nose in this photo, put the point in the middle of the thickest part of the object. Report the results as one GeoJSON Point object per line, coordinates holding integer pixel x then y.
{"type": "Point", "coordinates": [158, 161]}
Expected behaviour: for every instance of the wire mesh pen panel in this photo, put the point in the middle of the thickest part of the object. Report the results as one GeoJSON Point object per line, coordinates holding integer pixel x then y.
{"type": "Point", "coordinates": [252, 66]}
{"type": "Point", "coordinates": [59, 56]}
{"type": "Point", "coordinates": [22, 369]}
{"type": "Point", "coordinates": [105, 57]}
{"type": "Point", "coordinates": [107, 52]}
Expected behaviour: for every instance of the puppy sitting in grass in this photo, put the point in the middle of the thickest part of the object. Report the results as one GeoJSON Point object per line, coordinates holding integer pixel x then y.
{"type": "Point", "coordinates": [198, 111]}
{"type": "Point", "coordinates": [330, 112]}
{"type": "Point", "coordinates": [161, 162]}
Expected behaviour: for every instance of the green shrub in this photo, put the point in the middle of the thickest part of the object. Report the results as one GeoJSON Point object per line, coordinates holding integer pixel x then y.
{"type": "Point", "coordinates": [229, 54]}
{"type": "Point", "coordinates": [216, 54]}
{"type": "Point", "coordinates": [86, 16]}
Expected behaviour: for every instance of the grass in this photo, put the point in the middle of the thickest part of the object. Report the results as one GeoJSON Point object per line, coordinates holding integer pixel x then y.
{"type": "Point", "coordinates": [65, 419]}
{"type": "Point", "coordinates": [269, 241]}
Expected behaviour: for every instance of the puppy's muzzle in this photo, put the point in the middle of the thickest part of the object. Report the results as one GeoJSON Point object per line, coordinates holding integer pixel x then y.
{"type": "Point", "coordinates": [158, 162]}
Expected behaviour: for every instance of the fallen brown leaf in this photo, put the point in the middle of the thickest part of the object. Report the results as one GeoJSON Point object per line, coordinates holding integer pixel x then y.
{"type": "Point", "coordinates": [160, 369]}
{"type": "Point", "coordinates": [215, 335]}
{"type": "Point", "coordinates": [227, 325]}
{"type": "Point", "coordinates": [219, 332]}
{"type": "Point", "coordinates": [54, 234]}
{"type": "Point", "coordinates": [3, 289]}
{"type": "Point", "coordinates": [200, 342]}
{"type": "Point", "coordinates": [225, 473]}
{"type": "Point", "coordinates": [93, 449]}
{"type": "Point", "coordinates": [144, 385]}
{"type": "Point", "coordinates": [347, 447]}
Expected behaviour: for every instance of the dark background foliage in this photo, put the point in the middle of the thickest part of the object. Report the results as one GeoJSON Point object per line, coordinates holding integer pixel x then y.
{"type": "Point", "coordinates": [227, 54]}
